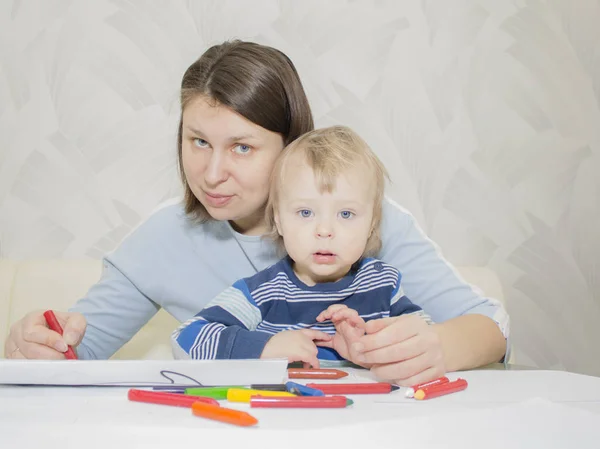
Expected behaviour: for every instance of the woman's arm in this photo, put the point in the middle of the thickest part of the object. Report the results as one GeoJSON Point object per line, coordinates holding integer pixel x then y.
{"type": "Point", "coordinates": [115, 310]}
{"type": "Point", "coordinates": [470, 341]}
{"type": "Point", "coordinates": [472, 330]}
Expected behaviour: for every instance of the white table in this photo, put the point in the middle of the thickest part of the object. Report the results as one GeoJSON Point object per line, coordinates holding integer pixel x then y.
{"type": "Point", "coordinates": [499, 409]}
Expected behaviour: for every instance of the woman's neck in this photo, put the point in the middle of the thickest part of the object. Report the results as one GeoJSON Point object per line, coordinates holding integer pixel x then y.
{"type": "Point", "coordinates": [252, 225]}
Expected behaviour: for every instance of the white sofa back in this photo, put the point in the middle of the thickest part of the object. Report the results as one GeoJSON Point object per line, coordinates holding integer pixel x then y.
{"type": "Point", "coordinates": [28, 285]}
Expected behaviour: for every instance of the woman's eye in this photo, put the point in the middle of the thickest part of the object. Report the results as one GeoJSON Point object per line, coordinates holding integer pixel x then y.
{"type": "Point", "coordinates": [346, 214]}
{"type": "Point", "coordinates": [200, 143]}
{"type": "Point", "coordinates": [242, 149]}
{"type": "Point", "coordinates": [305, 213]}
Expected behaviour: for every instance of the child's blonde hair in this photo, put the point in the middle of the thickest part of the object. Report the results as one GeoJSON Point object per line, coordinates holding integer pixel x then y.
{"type": "Point", "coordinates": [329, 152]}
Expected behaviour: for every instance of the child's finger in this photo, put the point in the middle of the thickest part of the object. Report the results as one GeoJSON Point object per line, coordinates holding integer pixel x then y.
{"type": "Point", "coordinates": [347, 314]}
{"type": "Point", "coordinates": [314, 334]}
{"type": "Point", "coordinates": [325, 344]}
{"type": "Point", "coordinates": [357, 321]}
{"type": "Point", "coordinates": [330, 311]}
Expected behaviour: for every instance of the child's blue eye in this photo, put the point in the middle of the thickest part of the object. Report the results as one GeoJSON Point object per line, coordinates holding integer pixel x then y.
{"type": "Point", "coordinates": [346, 214]}
{"type": "Point", "coordinates": [305, 213]}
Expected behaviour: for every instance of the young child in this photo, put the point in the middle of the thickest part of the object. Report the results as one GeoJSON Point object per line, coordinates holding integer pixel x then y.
{"type": "Point", "coordinates": [325, 210]}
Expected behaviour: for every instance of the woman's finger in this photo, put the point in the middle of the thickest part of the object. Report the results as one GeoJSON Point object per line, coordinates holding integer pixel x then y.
{"type": "Point", "coordinates": [74, 325]}
{"type": "Point", "coordinates": [395, 372]}
{"type": "Point", "coordinates": [394, 330]}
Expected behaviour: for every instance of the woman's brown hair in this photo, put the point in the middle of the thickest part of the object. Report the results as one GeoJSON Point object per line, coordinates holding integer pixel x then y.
{"type": "Point", "coordinates": [258, 82]}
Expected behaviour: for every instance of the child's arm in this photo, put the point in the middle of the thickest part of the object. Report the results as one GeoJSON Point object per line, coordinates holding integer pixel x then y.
{"type": "Point", "coordinates": [224, 329]}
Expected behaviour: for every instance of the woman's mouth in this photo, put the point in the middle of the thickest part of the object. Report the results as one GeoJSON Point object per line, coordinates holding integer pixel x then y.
{"type": "Point", "coordinates": [216, 199]}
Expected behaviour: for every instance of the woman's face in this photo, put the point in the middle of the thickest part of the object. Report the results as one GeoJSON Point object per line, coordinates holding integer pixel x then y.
{"type": "Point", "coordinates": [227, 161]}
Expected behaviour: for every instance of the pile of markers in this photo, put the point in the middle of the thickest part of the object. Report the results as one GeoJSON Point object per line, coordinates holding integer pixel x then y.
{"type": "Point", "coordinates": [435, 388]}
{"type": "Point", "coordinates": [204, 400]}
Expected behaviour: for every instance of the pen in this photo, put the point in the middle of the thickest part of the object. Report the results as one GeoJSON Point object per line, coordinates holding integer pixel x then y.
{"type": "Point", "coordinates": [56, 327]}
{"type": "Point", "coordinates": [442, 389]}
{"type": "Point", "coordinates": [269, 387]}
{"type": "Point", "coordinates": [411, 391]}
{"type": "Point", "coordinates": [300, 402]}
{"type": "Point", "coordinates": [223, 414]}
{"type": "Point", "coordinates": [363, 388]}
{"type": "Point", "coordinates": [302, 390]}
{"type": "Point", "coordinates": [312, 373]}
{"type": "Point", "coordinates": [159, 397]}
{"type": "Point", "coordinates": [244, 395]}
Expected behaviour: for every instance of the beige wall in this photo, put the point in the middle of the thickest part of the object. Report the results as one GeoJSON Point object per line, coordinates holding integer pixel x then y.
{"type": "Point", "coordinates": [485, 111]}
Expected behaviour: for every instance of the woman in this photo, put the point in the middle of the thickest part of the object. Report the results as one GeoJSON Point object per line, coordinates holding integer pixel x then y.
{"type": "Point", "coordinates": [241, 104]}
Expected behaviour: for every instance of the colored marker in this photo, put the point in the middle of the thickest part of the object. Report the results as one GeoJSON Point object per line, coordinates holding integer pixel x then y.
{"type": "Point", "coordinates": [269, 387]}
{"type": "Point", "coordinates": [363, 388]}
{"type": "Point", "coordinates": [171, 388]}
{"type": "Point", "coordinates": [175, 399]}
{"type": "Point", "coordinates": [312, 373]}
{"type": "Point", "coordinates": [302, 390]}
{"type": "Point", "coordinates": [244, 395]}
{"type": "Point", "coordinates": [54, 325]}
{"type": "Point", "coordinates": [411, 391]}
{"type": "Point", "coordinates": [441, 389]}
{"type": "Point", "coordinates": [210, 392]}
{"type": "Point", "coordinates": [300, 402]}
{"type": "Point", "coordinates": [223, 414]}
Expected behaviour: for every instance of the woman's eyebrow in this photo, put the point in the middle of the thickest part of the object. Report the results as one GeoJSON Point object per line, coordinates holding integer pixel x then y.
{"type": "Point", "coordinates": [241, 137]}
{"type": "Point", "coordinates": [229, 139]}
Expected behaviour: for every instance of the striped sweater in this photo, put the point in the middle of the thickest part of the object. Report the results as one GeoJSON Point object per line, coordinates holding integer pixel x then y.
{"type": "Point", "coordinates": [238, 323]}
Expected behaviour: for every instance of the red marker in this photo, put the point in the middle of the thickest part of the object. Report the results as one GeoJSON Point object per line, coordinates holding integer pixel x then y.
{"type": "Point", "coordinates": [411, 391]}
{"type": "Point", "coordinates": [313, 373]}
{"type": "Point", "coordinates": [441, 389]}
{"type": "Point", "coordinates": [364, 388]}
{"type": "Point", "coordinates": [300, 402]}
{"type": "Point", "coordinates": [56, 327]}
{"type": "Point", "coordinates": [175, 399]}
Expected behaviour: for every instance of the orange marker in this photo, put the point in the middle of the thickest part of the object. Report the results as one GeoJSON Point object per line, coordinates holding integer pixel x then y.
{"type": "Point", "coordinates": [441, 389]}
{"type": "Point", "coordinates": [313, 373]}
{"type": "Point", "coordinates": [411, 391]}
{"type": "Point", "coordinates": [226, 415]}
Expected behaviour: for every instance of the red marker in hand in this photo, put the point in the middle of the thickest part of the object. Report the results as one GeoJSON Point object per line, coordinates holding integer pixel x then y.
{"type": "Point", "coordinates": [56, 327]}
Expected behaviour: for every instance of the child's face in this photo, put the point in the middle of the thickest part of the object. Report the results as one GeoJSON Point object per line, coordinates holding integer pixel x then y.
{"type": "Point", "coordinates": [324, 233]}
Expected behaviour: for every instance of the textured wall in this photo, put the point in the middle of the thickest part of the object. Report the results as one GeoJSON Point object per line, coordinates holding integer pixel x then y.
{"type": "Point", "coordinates": [486, 111]}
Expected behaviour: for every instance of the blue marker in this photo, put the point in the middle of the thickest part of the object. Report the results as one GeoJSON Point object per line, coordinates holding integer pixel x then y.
{"type": "Point", "coordinates": [302, 390]}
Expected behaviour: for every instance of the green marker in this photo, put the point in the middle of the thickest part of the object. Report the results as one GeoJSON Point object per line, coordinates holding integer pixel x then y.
{"type": "Point", "coordinates": [210, 392]}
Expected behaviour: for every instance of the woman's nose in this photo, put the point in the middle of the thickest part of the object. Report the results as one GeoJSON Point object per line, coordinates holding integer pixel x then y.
{"type": "Point", "coordinates": [216, 169]}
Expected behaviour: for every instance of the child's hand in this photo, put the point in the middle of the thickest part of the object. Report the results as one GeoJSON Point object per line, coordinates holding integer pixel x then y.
{"type": "Point", "coordinates": [349, 327]}
{"type": "Point", "coordinates": [296, 346]}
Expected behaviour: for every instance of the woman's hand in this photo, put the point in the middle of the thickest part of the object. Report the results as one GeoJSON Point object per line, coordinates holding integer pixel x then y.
{"type": "Point", "coordinates": [404, 350]}
{"type": "Point", "coordinates": [30, 338]}
{"type": "Point", "coordinates": [296, 346]}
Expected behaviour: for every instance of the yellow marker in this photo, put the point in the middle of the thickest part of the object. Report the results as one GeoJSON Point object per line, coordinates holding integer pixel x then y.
{"type": "Point", "coordinates": [244, 395]}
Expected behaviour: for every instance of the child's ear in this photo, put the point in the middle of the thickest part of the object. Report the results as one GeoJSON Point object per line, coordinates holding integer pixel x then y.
{"type": "Point", "coordinates": [277, 224]}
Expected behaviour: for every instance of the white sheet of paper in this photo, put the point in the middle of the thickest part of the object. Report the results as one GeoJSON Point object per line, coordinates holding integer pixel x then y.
{"type": "Point", "coordinates": [142, 372]}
